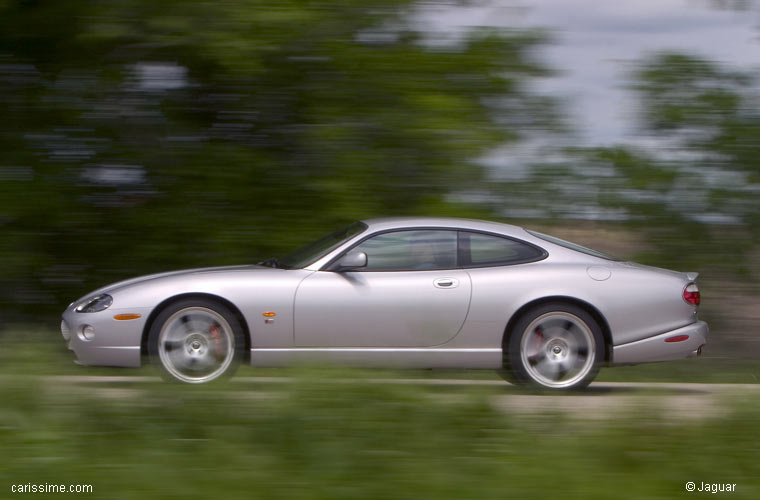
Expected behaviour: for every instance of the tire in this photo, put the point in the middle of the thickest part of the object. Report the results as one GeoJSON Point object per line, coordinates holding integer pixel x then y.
{"type": "Point", "coordinates": [196, 341]}
{"type": "Point", "coordinates": [554, 346]}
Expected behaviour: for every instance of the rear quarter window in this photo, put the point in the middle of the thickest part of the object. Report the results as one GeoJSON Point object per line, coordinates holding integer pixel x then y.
{"type": "Point", "coordinates": [483, 250]}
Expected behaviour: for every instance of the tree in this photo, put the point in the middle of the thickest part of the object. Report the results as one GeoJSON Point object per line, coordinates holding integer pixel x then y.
{"type": "Point", "coordinates": [713, 113]}
{"type": "Point", "coordinates": [690, 182]}
{"type": "Point", "coordinates": [142, 135]}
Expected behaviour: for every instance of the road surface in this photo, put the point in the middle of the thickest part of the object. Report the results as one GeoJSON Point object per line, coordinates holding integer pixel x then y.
{"type": "Point", "coordinates": [601, 400]}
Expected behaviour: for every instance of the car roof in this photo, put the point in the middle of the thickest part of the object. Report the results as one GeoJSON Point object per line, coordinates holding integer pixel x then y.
{"type": "Point", "coordinates": [385, 223]}
{"type": "Point", "coordinates": [376, 225]}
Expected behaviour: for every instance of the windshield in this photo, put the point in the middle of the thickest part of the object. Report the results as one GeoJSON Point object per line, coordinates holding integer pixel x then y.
{"type": "Point", "coordinates": [317, 249]}
{"type": "Point", "coordinates": [572, 246]}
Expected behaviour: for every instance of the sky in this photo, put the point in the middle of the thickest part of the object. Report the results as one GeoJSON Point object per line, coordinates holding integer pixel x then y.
{"type": "Point", "coordinates": [595, 44]}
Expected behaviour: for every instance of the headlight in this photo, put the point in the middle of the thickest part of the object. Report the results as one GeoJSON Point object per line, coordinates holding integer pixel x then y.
{"type": "Point", "coordinates": [95, 304]}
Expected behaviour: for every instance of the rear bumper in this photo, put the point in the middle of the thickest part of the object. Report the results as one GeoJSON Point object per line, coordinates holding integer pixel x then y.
{"type": "Point", "coordinates": [657, 349]}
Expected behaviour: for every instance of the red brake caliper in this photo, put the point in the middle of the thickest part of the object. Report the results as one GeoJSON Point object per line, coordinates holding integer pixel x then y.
{"type": "Point", "coordinates": [217, 338]}
{"type": "Point", "coordinates": [539, 336]}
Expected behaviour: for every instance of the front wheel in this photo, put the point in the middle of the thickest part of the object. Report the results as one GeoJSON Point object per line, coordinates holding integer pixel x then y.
{"type": "Point", "coordinates": [195, 341]}
{"type": "Point", "coordinates": [555, 346]}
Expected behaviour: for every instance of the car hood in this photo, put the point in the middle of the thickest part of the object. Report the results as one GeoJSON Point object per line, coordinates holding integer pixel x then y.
{"type": "Point", "coordinates": [141, 279]}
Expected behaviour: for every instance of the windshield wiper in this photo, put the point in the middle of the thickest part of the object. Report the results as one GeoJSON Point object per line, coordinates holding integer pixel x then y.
{"type": "Point", "coordinates": [271, 262]}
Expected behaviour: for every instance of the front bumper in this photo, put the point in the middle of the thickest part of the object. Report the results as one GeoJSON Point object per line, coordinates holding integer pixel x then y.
{"type": "Point", "coordinates": [657, 349]}
{"type": "Point", "coordinates": [112, 342]}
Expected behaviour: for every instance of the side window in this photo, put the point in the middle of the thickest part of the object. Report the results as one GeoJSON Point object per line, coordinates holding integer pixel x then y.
{"type": "Point", "coordinates": [410, 250]}
{"type": "Point", "coordinates": [487, 250]}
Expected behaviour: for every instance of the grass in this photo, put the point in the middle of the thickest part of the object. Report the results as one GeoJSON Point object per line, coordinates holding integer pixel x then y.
{"type": "Point", "coordinates": [701, 370]}
{"type": "Point", "coordinates": [312, 438]}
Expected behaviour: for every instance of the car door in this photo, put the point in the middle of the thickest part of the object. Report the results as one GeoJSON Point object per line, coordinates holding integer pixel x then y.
{"type": "Point", "coordinates": [410, 294]}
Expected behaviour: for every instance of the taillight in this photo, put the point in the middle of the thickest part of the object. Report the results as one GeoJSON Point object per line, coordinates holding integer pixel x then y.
{"type": "Point", "coordinates": [691, 294]}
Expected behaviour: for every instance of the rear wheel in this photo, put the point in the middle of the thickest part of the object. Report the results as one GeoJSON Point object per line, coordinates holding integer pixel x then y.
{"type": "Point", "coordinates": [555, 346]}
{"type": "Point", "coordinates": [196, 341]}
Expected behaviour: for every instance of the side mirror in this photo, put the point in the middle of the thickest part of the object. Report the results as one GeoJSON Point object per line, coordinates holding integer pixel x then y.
{"type": "Point", "coordinates": [351, 261]}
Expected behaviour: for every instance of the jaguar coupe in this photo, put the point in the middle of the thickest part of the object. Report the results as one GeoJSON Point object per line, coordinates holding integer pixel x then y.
{"type": "Point", "coordinates": [400, 292]}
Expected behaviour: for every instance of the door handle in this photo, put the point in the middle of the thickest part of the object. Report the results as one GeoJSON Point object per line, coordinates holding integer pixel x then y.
{"type": "Point", "coordinates": [446, 283]}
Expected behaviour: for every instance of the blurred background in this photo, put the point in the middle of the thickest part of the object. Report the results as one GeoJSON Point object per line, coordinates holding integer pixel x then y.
{"type": "Point", "coordinates": [140, 136]}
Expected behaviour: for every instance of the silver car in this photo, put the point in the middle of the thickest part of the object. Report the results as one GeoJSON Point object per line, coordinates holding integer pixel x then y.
{"type": "Point", "coordinates": [411, 292]}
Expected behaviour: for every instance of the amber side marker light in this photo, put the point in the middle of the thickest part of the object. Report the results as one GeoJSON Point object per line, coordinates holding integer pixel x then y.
{"type": "Point", "coordinates": [124, 317]}
{"type": "Point", "coordinates": [269, 314]}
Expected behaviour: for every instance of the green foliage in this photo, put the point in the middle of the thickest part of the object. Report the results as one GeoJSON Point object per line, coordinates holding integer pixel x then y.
{"type": "Point", "coordinates": [712, 112]}
{"type": "Point", "coordinates": [337, 436]}
{"type": "Point", "coordinates": [141, 136]}
{"type": "Point", "coordinates": [680, 91]}
{"type": "Point", "coordinates": [691, 189]}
